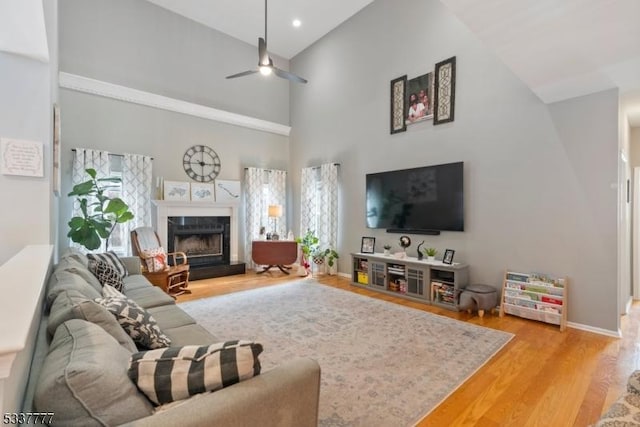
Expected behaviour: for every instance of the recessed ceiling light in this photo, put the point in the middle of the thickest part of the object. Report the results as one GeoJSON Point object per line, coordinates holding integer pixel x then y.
{"type": "Point", "coordinates": [296, 23]}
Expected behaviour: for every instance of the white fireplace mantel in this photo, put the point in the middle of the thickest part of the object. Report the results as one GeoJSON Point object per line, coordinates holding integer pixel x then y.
{"type": "Point", "coordinates": [167, 208]}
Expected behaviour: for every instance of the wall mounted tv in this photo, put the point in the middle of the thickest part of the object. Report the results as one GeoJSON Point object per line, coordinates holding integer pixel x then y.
{"type": "Point", "coordinates": [423, 200]}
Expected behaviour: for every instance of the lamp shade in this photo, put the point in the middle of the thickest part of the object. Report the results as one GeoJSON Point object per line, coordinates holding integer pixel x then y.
{"type": "Point", "coordinates": [275, 211]}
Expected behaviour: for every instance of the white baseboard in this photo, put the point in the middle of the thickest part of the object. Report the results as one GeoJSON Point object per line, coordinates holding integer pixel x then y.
{"type": "Point", "coordinates": [607, 332]}
{"type": "Point", "coordinates": [127, 94]}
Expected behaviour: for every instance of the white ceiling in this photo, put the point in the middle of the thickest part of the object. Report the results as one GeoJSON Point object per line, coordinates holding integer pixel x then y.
{"type": "Point", "coordinates": [244, 19]}
{"type": "Point", "coordinates": [560, 48]}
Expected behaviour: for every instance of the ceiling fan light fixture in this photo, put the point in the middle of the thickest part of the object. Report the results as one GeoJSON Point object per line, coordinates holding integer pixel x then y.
{"type": "Point", "coordinates": [265, 70]}
{"type": "Point", "coordinates": [296, 23]}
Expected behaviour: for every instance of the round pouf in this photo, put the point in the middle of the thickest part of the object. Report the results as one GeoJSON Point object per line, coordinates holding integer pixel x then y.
{"type": "Point", "coordinates": [478, 297]}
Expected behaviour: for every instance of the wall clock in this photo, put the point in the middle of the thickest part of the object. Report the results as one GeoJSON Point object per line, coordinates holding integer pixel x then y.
{"type": "Point", "coordinates": [201, 163]}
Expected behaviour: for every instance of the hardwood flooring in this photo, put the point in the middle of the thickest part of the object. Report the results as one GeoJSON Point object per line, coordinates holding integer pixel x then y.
{"type": "Point", "coordinates": [543, 377]}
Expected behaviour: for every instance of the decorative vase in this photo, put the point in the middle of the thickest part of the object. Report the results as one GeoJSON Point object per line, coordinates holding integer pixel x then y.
{"type": "Point", "coordinates": [387, 252]}
{"type": "Point", "coordinates": [431, 258]}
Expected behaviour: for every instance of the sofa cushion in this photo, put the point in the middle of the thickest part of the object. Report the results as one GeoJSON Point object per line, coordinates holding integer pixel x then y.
{"type": "Point", "coordinates": [63, 280]}
{"type": "Point", "coordinates": [106, 274]}
{"type": "Point", "coordinates": [76, 267]}
{"type": "Point", "coordinates": [149, 297]}
{"type": "Point", "coordinates": [175, 373]}
{"type": "Point", "coordinates": [171, 316]}
{"type": "Point", "coordinates": [135, 281]}
{"type": "Point", "coordinates": [110, 257]}
{"type": "Point", "coordinates": [136, 321]}
{"type": "Point", "coordinates": [71, 304]}
{"type": "Point", "coordinates": [190, 335]}
{"type": "Point", "coordinates": [84, 382]}
{"type": "Point", "coordinates": [75, 254]}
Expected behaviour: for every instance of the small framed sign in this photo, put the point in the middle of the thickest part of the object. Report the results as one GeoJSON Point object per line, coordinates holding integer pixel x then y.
{"type": "Point", "coordinates": [448, 256]}
{"type": "Point", "coordinates": [176, 190]}
{"type": "Point", "coordinates": [21, 157]}
{"type": "Point", "coordinates": [368, 245]}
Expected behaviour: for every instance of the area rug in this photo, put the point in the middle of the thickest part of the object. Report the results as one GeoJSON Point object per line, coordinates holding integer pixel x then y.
{"type": "Point", "coordinates": [382, 364]}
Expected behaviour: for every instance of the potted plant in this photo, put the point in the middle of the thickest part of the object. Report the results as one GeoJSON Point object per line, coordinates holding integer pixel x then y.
{"type": "Point", "coordinates": [430, 253]}
{"type": "Point", "coordinates": [308, 245]}
{"type": "Point", "coordinates": [387, 249]}
{"type": "Point", "coordinates": [100, 213]}
{"type": "Point", "coordinates": [329, 255]}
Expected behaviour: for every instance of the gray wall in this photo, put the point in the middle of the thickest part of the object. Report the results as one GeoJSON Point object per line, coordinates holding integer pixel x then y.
{"type": "Point", "coordinates": [538, 178]}
{"type": "Point", "coordinates": [137, 44]}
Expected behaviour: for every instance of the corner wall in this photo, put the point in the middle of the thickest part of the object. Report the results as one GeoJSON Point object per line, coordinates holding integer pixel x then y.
{"type": "Point", "coordinates": [540, 180]}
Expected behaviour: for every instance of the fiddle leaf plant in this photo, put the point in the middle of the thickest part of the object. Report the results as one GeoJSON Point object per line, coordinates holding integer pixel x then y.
{"type": "Point", "coordinates": [100, 213]}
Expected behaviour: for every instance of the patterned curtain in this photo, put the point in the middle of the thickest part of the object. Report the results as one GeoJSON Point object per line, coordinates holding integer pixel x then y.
{"type": "Point", "coordinates": [328, 205]}
{"type": "Point", "coordinates": [278, 196]}
{"type": "Point", "coordinates": [87, 159]}
{"type": "Point", "coordinates": [308, 207]}
{"type": "Point", "coordinates": [136, 192]}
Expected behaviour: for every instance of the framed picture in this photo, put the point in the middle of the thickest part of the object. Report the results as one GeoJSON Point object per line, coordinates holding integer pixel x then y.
{"type": "Point", "coordinates": [368, 245]}
{"type": "Point", "coordinates": [419, 99]}
{"type": "Point", "coordinates": [55, 174]}
{"type": "Point", "coordinates": [176, 190]}
{"type": "Point", "coordinates": [398, 89]}
{"type": "Point", "coordinates": [227, 191]}
{"type": "Point", "coordinates": [202, 192]}
{"type": "Point", "coordinates": [445, 91]}
{"type": "Point", "coordinates": [448, 256]}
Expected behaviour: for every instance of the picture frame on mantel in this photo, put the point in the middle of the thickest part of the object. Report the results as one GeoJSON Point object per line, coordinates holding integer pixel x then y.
{"type": "Point", "coordinates": [202, 192]}
{"type": "Point", "coordinates": [177, 190]}
{"type": "Point", "coordinates": [397, 113]}
{"type": "Point", "coordinates": [445, 91]}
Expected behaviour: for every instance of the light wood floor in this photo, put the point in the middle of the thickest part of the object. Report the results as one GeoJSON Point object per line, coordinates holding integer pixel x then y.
{"type": "Point", "coordinates": [543, 377]}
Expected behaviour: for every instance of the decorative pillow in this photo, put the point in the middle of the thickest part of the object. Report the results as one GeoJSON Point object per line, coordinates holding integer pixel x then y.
{"type": "Point", "coordinates": [83, 379]}
{"type": "Point", "coordinates": [155, 259]}
{"type": "Point", "coordinates": [110, 257]}
{"type": "Point", "coordinates": [137, 321]}
{"type": "Point", "coordinates": [106, 274]}
{"type": "Point", "coordinates": [110, 291]}
{"type": "Point", "coordinates": [176, 373]}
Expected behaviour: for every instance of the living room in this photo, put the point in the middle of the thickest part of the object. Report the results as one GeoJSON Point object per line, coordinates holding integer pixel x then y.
{"type": "Point", "coordinates": [542, 179]}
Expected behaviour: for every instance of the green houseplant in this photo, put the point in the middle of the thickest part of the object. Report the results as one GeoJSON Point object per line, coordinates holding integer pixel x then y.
{"type": "Point", "coordinates": [100, 213]}
{"type": "Point", "coordinates": [430, 253]}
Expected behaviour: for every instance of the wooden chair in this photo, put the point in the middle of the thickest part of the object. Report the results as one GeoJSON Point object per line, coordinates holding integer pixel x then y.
{"type": "Point", "coordinates": [174, 280]}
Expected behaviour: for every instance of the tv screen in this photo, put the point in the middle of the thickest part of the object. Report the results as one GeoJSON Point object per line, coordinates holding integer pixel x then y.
{"type": "Point", "coordinates": [419, 199]}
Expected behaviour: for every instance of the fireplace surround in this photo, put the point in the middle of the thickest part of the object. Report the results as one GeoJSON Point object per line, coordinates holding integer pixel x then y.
{"type": "Point", "coordinates": [206, 232]}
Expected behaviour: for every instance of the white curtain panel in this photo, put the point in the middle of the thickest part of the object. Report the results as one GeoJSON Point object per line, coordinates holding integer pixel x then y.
{"type": "Point", "coordinates": [87, 159]}
{"type": "Point", "coordinates": [278, 196]}
{"type": "Point", "coordinates": [136, 192]}
{"type": "Point", "coordinates": [308, 207]}
{"type": "Point", "coordinates": [255, 209]}
{"type": "Point", "coordinates": [328, 205]}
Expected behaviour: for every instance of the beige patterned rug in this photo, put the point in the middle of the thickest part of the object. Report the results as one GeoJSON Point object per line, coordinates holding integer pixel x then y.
{"type": "Point", "coordinates": [382, 364]}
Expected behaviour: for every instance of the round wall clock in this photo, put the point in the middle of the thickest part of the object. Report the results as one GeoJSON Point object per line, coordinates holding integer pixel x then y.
{"type": "Point", "coordinates": [201, 163]}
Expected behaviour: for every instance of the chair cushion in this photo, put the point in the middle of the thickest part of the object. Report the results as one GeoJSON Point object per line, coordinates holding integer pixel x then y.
{"type": "Point", "coordinates": [106, 273]}
{"type": "Point", "coordinates": [136, 321]}
{"type": "Point", "coordinates": [175, 373]}
{"type": "Point", "coordinates": [155, 259]}
{"type": "Point", "coordinates": [110, 257]}
{"type": "Point", "coordinates": [147, 238]}
{"type": "Point", "coordinates": [84, 382]}
{"type": "Point", "coordinates": [71, 304]}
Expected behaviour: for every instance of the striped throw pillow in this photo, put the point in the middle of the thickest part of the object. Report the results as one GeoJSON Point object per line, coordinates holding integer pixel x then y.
{"type": "Point", "coordinates": [110, 257]}
{"type": "Point", "coordinates": [175, 373]}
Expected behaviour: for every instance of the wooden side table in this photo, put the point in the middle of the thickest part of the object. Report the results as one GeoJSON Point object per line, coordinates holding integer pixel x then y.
{"type": "Point", "coordinates": [274, 253]}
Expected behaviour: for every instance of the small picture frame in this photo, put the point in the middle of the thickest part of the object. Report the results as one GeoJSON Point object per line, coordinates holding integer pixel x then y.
{"type": "Point", "coordinates": [368, 245]}
{"type": "Point", "coordinates": [176, 190]}
{"type": "Point", "coordinates": [445, 91]}
{"type": "Point", "coordinates": [448, 256]}
{"type": "Point", "coordinates": [398, 91]}
{"type": "Point", "coordinates": [202, 192]}
{"type": "Point", "coordinates": [227, 191]}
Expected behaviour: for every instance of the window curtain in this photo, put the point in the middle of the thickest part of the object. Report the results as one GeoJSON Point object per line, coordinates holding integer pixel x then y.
{"type": "Point", "coordinates": [83, 159]}
{"type": "Point", "coordinates": [262, 187]}
{"type": "Point", "coordinates": [319, 203]}
{"type": "Point", "coordinates": [136, 192]}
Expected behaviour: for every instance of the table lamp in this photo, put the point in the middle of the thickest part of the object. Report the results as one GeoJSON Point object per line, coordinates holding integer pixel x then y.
{"type": "Point", "coordinates": [275, 212]}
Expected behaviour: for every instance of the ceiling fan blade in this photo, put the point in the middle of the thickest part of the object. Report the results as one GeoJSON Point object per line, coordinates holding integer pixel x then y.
{"type": "Point", "coordinates": [263, 56]}
{"type": "Point", "coordinates": [244, 73]}
{"type": "Point", "coordinates": [287, 75]}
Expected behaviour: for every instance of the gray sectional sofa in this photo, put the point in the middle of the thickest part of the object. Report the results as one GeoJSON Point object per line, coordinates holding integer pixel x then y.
{"type": "Point", "coordinates": [79, 369]}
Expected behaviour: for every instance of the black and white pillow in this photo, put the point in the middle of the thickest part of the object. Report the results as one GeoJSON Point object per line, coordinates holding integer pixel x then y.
{"type": "Point", "coordinates": [175, 373]}
{"type": "Point", "coordinates": [110, 291]}
{"type": "Point", "coordinates": [110, 257]}
{"type": "Point", "coordinates": [106, 274]}
{"type": "Point", "coordinates": [137, 321]}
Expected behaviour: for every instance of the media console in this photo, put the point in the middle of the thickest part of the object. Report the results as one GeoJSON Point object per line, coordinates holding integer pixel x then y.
{"type": "Point", "coordinates": [429, 282]}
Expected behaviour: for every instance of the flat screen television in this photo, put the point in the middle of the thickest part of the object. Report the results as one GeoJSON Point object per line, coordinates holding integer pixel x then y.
{"type": "Point", "coordinates": [425, 199]}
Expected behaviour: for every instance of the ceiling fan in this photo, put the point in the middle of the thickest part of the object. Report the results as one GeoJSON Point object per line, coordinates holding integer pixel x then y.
{"type": "Point", "coordinates": [265, 64]}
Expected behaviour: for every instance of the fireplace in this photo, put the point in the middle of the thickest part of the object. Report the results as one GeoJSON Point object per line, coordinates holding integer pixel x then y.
{"type": "Point", "coordinates": [205, 239]}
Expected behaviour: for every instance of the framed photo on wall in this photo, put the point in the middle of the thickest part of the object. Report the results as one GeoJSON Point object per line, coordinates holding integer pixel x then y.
{"type": "Point", "coordinates": [445, 91]}
{"type": "Point", "coordinates": [368, 245]}
{"type": "Point", "coordinates": [398, 90]}
{"type": "Point", "coordinates": [419, 99]}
